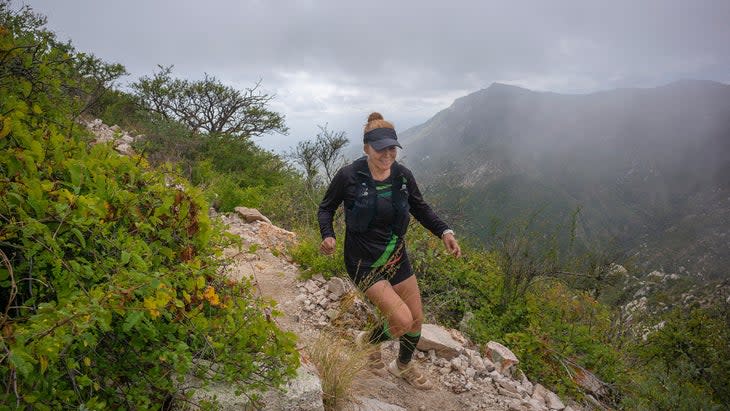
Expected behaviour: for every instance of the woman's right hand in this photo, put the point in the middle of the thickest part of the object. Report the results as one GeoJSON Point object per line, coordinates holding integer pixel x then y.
{"type": "Point", "coordinates": [328, 246]}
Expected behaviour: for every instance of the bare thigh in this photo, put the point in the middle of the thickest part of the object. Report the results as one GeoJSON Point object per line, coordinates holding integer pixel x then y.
{"type": "Point", "coordinates": [393, 307]}
{"type": "Point", "coordinates": [409, 292]}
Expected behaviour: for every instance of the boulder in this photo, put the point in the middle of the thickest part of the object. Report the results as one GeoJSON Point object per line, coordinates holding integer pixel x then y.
{"type": "Point", "coordinates": [527, 385]}
{"type": "Point", "coordinates": [533, 405]}
{"type": "Point", "coordinates": [311, 286]}
{"type": "Point", "coordinates": [488, 364]}
{"type": "Point", "coordinates": [434, 337]}
{"type": "Point", "coordinates": [476, 361]}
{"type": "Point", "coordinates": [126, 138]}
{"type": "Point", "coordinates": [510, 386]}
{"type": "Point", "coordinates": [502, 357]}
{"type": "Point", "coordinates": [251, 215]}
{"type": "Point", "coordinates": [303, 393]}
{"type": "Point", "coordinates": [459, 364]}
{"type": "Point", "coordinates": [125, 149]}
{"type": "Point", "coordinates": [618, 269]}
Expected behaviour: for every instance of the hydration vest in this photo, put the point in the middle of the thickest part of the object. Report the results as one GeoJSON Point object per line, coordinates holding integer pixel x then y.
{"type": "Point", "coordinates": [361, 213]}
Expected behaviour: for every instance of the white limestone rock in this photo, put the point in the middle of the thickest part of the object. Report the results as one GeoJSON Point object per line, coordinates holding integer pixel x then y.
{"type": "Point", "coordinates": [553, 401]}
{"type": "Point", "coordinates": [251, 214]}
{"type": "Point", "coordinates": [502, 357]}
{"type": "Point", "coordinates": [434, 337]}
{"type": "Point", "coordinates": [336, 287]}
{"type": "Point", "coordinates": [303, 393]}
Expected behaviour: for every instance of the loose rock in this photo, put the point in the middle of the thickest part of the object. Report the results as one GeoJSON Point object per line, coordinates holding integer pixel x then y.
{"type": "Point", "coordinates": [502, 357]}
{"type": "Point", "coordinates": [434, 337]}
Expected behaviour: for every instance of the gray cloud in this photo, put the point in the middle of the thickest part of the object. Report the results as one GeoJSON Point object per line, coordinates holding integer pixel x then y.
{"type": "Point", "coordinates": [331, 61]}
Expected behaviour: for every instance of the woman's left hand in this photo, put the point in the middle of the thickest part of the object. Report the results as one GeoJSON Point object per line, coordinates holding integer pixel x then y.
{"type": "Point", "coordinates": [452, 246]}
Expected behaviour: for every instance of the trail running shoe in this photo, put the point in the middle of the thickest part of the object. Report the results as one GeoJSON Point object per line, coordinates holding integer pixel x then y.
{"type": "Point", "coordinates": [412, 373]}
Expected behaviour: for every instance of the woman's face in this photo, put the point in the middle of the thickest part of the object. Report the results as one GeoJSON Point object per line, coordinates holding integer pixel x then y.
{"type": "Point", "coordinates": [383, 159]}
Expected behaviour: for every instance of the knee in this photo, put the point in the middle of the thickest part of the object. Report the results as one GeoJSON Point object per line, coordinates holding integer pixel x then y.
{"type": "Point", "coordinates": [400, 323]}
{"type": "Point", "coordinates": [417, 321]}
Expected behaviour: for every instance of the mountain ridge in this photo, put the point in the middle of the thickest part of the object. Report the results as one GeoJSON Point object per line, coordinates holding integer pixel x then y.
{"type": "Point", "coordinates": [639, 162]}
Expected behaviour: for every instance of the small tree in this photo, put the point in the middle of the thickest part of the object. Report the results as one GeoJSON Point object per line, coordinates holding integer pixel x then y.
{"type": "Point", "coordinates": [305, 156]}
{"type": "Point", "coordinates": [324, 153]}
{"type": "Point", "coordinates": [329, 146]}
{"type": "Point", "coordinates": [208, 105]}
{"type": "Point", "coordinates": [313, 156]}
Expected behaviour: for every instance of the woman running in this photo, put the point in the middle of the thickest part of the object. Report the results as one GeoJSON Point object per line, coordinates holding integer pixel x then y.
{"type": "Point", "coordinates": [379, 196]}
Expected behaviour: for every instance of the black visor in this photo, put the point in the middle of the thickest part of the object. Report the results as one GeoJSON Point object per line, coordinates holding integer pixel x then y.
{"type": "Point", "coordinates": [381, 138]}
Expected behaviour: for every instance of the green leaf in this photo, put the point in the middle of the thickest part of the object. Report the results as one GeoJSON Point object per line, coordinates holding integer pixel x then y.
{"type": "Point", "coordinates": [125, 257]}
{"type": "Point", "coordinates": [22, 361]}
{"type": "Point", "coordinates": [75, 231]}
{"type": "Point", "coordinates": [132, 319]}
{"type": "Point", "coordinates": [37, 149]}
{"type": "Point", "coordinates": [75, 172]}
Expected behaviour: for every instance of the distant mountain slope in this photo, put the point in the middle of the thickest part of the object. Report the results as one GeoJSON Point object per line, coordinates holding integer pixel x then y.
{"type": "Point", "coordinates": [649, 167]}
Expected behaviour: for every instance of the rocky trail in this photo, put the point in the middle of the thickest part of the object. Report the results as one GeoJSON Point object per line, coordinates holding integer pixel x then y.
{"type": "Point", "coordinates": [464, 379]}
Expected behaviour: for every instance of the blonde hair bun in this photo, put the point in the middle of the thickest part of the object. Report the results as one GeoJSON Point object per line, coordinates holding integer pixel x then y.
{"type": "Point", "coordinates": [375, 120]}
{"type": "Point", "coordinates": [375, 116]}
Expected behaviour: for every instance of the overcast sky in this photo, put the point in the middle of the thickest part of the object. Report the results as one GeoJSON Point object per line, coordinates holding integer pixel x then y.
{"type": "Point", "coordinates": [336, 61]}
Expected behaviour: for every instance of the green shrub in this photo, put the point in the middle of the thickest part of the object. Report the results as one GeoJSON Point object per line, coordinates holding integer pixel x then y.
{"type": "Point", "coordinates": [109, 285]}
{"type": "Point", "coordinates": [452, 287]}
{"type": "Point", "coordinates": [306, 253]}
{"type": "Point", "coordinates": [225, 195]}
{"type": "Point", "coordinates": [120, 108]}
{"type": "Point", "coordinates": [692, 347]}
{"type": "Point", "coordinates": [657, 388]}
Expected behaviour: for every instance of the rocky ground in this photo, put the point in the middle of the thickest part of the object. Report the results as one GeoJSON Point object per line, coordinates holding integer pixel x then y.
{"type": "Point", "coordinates": [466, 377]}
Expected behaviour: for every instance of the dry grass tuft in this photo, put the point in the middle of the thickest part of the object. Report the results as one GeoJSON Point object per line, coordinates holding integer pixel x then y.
{"type": "Point", "coordinates": [338, 362]}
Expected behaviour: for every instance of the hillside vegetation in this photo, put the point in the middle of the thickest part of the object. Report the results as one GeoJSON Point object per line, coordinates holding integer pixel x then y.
{"type": "Point", "coordinates": [109, 284]}
{"type": "Point", "coordinates": [108, 268]}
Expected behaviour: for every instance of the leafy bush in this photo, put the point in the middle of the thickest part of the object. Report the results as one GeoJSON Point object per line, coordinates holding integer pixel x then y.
{"type": "Point", "coordinates": [109, 281]}
{"type": "Point", "coordinates": [656, 388]}
{"type": "Point", "coordinates": [312, 262]}
{"type": "Point", "coordinates": [567, 330]}
{"type": "Point", "coordinates": [692, 347]}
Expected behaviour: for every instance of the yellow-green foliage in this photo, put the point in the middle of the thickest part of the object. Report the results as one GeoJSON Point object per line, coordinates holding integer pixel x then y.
{"type": "Point", "coordinates": [109, 288]}
{"type": "Point", "coordinates": [565, 329]}
{"type": "Point", "coordinates": [690, 361]}
{"type": "Point", "coordinates": [312, 261]}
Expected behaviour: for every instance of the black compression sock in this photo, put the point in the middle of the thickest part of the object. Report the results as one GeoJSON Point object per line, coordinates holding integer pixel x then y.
{"type": "Point", "coordinates": [408, 343]}
{"type": "Point", "coordinates": [380, 333]}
